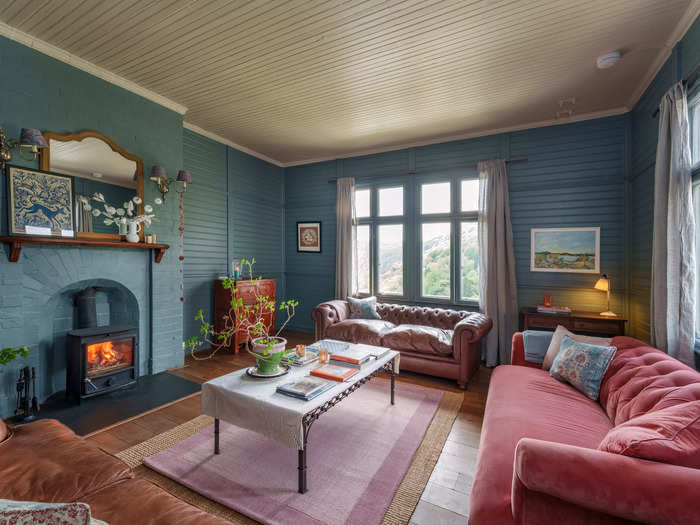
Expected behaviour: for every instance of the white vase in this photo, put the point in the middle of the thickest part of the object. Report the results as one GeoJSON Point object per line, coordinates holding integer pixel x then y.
{"type": "Point", "coordinates": [133, 234]}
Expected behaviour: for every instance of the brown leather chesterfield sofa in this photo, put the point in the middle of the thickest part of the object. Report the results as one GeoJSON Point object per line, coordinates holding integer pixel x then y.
{"type": "Point", "coordinates": [434, 341]}
{"type": "Point", "coordinates": [45, 461]}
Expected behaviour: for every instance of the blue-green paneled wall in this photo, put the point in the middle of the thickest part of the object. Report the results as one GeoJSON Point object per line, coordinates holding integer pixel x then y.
{"type": "Point", "coordinates": [40, 92]}
{"type": "Point", "coordinates": [644, 134]}
{"type": "Point", "coordinates": [234, 209]}
{"type": "Point", "coordinates": [574, 176]}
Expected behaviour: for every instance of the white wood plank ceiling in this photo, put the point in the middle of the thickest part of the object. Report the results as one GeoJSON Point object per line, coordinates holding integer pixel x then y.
{"type": "Point", "coordinates": [301, 80]}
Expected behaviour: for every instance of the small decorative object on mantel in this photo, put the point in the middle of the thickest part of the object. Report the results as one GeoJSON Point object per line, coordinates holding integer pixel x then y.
{"type": "Point", "coordinates": [40, 203]}
{"type": "Point", "coordinates": [268, 348]}
{"type": "Point", "coordinates": [124, 218]}
{"type": "Point", "coordinates": [547, 300]}
{"type": "Point", "coordinates": [568, 250]}
{"type": "Point", "coordinates": [309, 237]}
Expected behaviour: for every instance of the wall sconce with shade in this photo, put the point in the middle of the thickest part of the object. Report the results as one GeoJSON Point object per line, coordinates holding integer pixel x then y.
{"type": "Point", "coordinates": [30, 142]}
{"type": "Point", "coordinates": [159, 176]}
{"type": "Point", "coordinates": [603, 284]}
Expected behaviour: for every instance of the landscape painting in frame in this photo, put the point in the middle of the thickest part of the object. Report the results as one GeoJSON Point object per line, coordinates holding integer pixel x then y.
{"type": "Point", "coordinates": [571, 250]}
{"type": "Point", "coordinates": [40, 203]}
{"type": "Point", "coordinates": [309, 237]}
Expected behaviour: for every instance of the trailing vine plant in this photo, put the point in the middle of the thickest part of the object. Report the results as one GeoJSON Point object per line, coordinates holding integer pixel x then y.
{"type": "Point", "coordinates": [248, 319]}
{"type": "Point", "coordinates": [10, 354]}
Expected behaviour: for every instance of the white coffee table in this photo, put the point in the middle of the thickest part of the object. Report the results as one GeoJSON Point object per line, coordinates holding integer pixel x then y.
{"type": "Point", "coordinates": [254, 404]}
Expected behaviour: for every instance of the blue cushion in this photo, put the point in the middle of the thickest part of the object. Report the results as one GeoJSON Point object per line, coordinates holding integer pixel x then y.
{"type": "Point", "coordinates": [582, 365]}
{"type": "Point", "coordinates": [536, 344]}
{"type": "Point", "coordinates": [363, 308]}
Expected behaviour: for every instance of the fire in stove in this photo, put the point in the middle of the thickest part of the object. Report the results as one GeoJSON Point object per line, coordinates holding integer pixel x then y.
{"type": "Point", "coordinates": [107, 356]}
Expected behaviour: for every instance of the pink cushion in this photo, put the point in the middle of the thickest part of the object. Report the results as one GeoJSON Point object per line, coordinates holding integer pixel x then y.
{"type": "Point", "coordinates": [671, 435]}
{"type": "Point", "coordinates": [526, 402]}
{"type": "Point", "coordinates": [642, 379]}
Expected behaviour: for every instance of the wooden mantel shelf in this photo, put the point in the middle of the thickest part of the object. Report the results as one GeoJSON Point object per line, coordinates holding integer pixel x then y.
{"type": "Point", "coordinates": [16, 242]}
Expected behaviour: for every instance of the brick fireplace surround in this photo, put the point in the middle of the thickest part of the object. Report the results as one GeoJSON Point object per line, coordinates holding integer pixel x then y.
{"type": "Point", "coordinates": [37, 309]}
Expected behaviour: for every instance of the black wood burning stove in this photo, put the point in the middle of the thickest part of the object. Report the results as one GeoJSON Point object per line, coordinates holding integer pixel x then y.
{"type": "Point", "coordinates": [100, 359]}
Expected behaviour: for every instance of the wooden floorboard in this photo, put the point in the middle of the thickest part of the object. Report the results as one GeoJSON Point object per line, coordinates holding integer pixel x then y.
{"type": "Point", "coordinates": [446, 496]}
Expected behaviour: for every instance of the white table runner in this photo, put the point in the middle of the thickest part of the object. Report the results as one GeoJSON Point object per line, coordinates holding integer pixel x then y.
{"type": "Point", "coordinates": [254, 404]}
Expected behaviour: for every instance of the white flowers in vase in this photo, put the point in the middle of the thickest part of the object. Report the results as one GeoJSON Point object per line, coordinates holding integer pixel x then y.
{"type": "Point", "coordinates": [123, 216]}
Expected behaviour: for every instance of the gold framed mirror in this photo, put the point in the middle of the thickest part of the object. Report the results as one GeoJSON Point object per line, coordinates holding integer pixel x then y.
{"type": "Point", "coordinates": [98, 165]}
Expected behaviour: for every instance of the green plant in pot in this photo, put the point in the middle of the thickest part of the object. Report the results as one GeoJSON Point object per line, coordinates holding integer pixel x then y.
{"type": "Point", "coordinates": [7, 355]}
{"type": "Point", "coordinates": [265, 344]}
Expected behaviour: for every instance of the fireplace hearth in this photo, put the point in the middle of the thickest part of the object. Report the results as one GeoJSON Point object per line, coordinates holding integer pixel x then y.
{"type": "Point", "coordinates": [100, 359]}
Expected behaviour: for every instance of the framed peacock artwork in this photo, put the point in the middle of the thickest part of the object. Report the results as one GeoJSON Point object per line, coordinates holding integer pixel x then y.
{"type": "Point", "coordinates": [40, 203]}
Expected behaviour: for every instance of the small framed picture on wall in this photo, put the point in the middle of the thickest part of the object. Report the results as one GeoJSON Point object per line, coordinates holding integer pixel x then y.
{"type": "Point", "coordinates": [309, 237]}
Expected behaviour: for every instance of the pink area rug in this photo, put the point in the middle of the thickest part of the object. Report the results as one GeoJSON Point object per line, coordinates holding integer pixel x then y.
{"type": "Point", "coordinates": [358, 454]}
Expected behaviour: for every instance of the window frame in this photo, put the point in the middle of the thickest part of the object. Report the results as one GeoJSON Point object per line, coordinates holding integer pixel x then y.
{"type": "Point", "coordinates": [412, 220]}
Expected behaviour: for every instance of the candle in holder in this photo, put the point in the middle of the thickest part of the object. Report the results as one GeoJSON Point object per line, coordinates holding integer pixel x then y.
{"type": "Point", "coordinates": [301, 350]}
{"type": "Point", "coordinates": [236, 273]}
{"type": "Point", "coordinates": [323, 356]}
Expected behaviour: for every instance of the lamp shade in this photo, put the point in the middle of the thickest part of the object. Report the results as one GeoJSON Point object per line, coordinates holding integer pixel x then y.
{"type": "Point", "coordinates": [32, 137]}
{"type": "Point", "coordinates": [158, 172]}
{"type": "Point", "coordinates": [184, 176]}
{"type": "Point", "coordinates": [603, 284]}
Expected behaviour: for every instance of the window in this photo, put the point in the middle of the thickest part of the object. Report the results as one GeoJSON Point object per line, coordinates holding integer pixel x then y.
{"type": "Point", "coordinates": [390, 259]}
{"type": "Point", "coordinates": [435, 198]}
{"type": "Point", "coordinates": [470, 195]}
{"type": "Point", "coordinates": [425, 252]}
{"type": "Point", "coordinates": [362, 203]}
{"type": "Point", "coordinates": [363, 258]}
{"type": "Point", "coordinates": [390, 201]}
{"type": "Point", "coordinates": [469, 261]}
{"type": "Point", "coordinates": [435, 259]}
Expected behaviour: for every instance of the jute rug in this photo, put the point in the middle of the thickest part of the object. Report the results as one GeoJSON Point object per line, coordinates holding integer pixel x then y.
{"type": "Point", "coordinates": [399, 511]}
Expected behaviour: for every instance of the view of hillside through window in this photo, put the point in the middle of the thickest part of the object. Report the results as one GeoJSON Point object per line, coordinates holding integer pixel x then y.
{"type": "Point", "coordinates": [435, 241]}
{"type": "Point", "coordinates": [390, 259]}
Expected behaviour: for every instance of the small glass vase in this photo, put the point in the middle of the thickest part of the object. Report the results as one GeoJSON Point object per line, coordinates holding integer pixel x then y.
{"type": "Point", "coordinates": [122, 228]}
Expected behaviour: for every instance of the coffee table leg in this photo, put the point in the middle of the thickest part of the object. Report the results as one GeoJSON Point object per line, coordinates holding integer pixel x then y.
{"type": "Point", "coordinates": [393, 381]}
{"type": "Point", "coordinates": [216, 436]}
{"type": "Point", "coordinates": [302, 470]}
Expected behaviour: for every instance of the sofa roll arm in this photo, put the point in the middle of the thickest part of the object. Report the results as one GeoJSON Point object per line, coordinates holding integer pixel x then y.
{"type": "Point", "coordinates": [327, 314]}
{"type": "Point", "coordinates": [473, 327]}
{"type": "Point", "coordinates": [602, 482]}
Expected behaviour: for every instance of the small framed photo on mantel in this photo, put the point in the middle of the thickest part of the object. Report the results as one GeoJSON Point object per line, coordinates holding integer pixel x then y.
{"type": "Point", "coordinates": [309, 237]}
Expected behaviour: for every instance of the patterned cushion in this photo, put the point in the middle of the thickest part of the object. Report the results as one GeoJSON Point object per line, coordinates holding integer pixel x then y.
{"type": "Point", "coordinates": [30, 513]}
{"type": "Point", "coordinates": [363, 308]}
{"type": "Point", "coordinates": [582, 365]}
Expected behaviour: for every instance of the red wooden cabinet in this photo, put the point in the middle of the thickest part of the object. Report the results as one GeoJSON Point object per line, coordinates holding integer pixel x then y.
{"type": "Point", "coordinates": [248, 291]}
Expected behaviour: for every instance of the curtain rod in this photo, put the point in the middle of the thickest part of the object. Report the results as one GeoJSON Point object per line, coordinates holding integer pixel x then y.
{"type": "Point", "coordinates": [455, 166]}
{"type": "Point", "coordinates": [686, 80]}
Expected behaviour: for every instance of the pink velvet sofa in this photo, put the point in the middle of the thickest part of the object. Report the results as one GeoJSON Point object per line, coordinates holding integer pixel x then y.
{"type": "Point", "coordinates": [539, 461]}
{"type": "Point", "coordinates": [433, 341]}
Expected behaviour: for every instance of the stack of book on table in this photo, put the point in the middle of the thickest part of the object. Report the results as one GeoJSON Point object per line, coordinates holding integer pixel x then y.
{"type": "Point", "coordinates": [553, 309]}
{"type": "Point", "coordinates": [306, 388]}
{"type": "Point", "coordinates": [294, 360]}
{"type": "Point", "coordinates": [334, 372]}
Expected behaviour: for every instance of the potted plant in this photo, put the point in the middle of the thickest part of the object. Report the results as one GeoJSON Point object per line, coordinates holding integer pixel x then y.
{"type": "Point", "coordinates": [266, 345]}
{"type": "Point", "coordinates": [10, 354]}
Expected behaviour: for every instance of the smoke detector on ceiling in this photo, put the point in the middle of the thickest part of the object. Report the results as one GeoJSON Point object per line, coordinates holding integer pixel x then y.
{"type": "Point", "coordinates": [97, 175]}
{"type": "Point", "coordinates": [608, 60]}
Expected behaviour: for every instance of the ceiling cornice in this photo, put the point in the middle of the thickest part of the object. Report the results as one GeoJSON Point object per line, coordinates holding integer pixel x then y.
{"type": "Point", "coordinates": [227, 142]}
{"type": "Point", "coordinates": [691, 13]}
{"type": "Point", "coordinates": [77, 62]}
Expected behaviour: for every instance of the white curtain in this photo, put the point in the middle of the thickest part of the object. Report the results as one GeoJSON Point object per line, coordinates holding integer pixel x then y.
{"type": "Point", "coordinates": [673, 254]}
{"type": "Point", "coordinates": [497, 288]}
{"type": "Point", "coordinates": [346, 231]}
